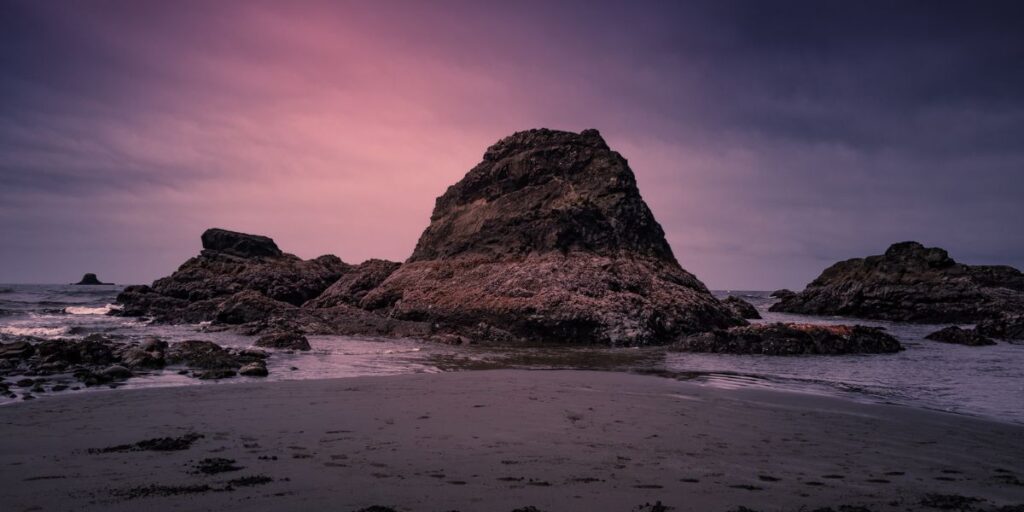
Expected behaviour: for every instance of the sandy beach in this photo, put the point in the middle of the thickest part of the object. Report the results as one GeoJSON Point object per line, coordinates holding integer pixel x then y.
{"type": "Point", "coordinates": [495, 441]}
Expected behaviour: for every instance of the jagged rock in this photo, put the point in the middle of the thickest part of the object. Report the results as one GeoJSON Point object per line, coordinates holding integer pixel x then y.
{"type": "Point", "coordinates": [136, 357]}
{"type": "Point", "coordinates": [239, 244]}
{"type": "Point", "coordinates": [231, 263]}
{"type": "Point", "coordinates": [284, 340]}
{"type": "Point", "coordinates": [249, 306]}
{"type": "Point", "coordinates": [548, 240]}
{"type": "Point", "coordinates": [255, 369]}
{"type": "Point", "coordinates": [202, 354]}
{"type": "Point", "coordinates": [1006, 327]}
{"type": "Point", "coordinates": [911, 283]}
{"type": "Point", "coordinates": [782, 293]}
{"type": "Point", "coordinates": [355, 284]}
{"type": "Point", "coordinates": [90, 279]}
{"type": "Point", "coordinates": [16, 350]}
{"type": "Point", "coordinates": [780, 339]}
{"type": "Point", "coordinates": [102, 359]}
{"type": "Point", "coordinates": [741, 308]}
{"type": "Point", "coordinates": [954, 334]}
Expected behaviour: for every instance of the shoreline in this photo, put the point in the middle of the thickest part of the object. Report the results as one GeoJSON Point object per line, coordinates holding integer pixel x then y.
{"type": "Point", "coordinates": [499, 440]}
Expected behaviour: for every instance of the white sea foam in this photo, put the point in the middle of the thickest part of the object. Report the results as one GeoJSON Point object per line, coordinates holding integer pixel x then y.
{"type": "Point", "coordinates": [82, 310]}
{"type": "Point", "coordinates": [41, 332]}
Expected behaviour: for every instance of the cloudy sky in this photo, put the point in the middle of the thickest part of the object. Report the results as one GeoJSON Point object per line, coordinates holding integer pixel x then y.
{"type": "Point", "coordinates": [769, 138]}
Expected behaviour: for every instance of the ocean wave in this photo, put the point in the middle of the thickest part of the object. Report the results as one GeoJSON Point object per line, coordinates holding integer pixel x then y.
{"type": "Point", "coordinates": [6, 290]}
{"type": "Point", "coordinates": [84, 310]}
{"type": "Point", "coordinates": [39, 332]}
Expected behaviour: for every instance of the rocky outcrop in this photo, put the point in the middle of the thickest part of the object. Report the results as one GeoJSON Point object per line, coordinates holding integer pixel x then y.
{"type": "Point", "coordinates": [782, 294]}
{"type": "Point", "coordinates": [240, 244]}
{"type": "Point", "coordinates": [1005, 327]}
{"type": "Point", "coordinates": [911, 283]}
{"type": "Point", "coordinates": [284, 340]}
{"type": "Point", "coordinates": [231, 264]}
{"type": "Point", "coordinates": [245, 282]}
{"type": "Point", "coordinates": [741, 308]}
{"type": "Point", "coordinates": [90, 279]}
{"type": "Point", "coordinates": [954, 334]}
{"type": "Point", "coordinates": [60, 364]}
{"type": "Point", "coordinates": [782, 339]}
{"type": "Point", "coordinates": [548, 240]}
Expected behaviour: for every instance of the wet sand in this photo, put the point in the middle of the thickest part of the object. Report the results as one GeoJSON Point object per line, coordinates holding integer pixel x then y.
{"type": "Point", "coordinates": [495, 441]}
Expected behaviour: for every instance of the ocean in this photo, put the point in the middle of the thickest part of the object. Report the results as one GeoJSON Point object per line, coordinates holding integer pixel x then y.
{"type": "Point", "coordinates": [978, 381]}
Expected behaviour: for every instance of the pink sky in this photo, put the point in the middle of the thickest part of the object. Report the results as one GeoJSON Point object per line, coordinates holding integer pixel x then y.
{"type": "Point", "coordinates": [332, 127]}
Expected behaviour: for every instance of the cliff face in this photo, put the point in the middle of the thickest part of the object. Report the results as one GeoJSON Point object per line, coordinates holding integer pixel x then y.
{"type": "Point", "coordinates": [911, 283]}
{"type": "Point", "coordinates": [548, 240]}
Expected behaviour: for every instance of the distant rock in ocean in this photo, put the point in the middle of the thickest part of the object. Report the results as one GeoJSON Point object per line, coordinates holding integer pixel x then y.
{"type": "Point", "coordinates": [911, 283]}
{"type": "Point", "coordinates": [548, 240]}
{"type": "Point", "coordinates": [90, 279]}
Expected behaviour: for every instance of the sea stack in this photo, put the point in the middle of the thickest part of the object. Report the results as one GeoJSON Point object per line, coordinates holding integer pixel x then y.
{"type": "Point", "coordinates": [548, 240]}
{"type": "Point", "coordinates": [90, 279]}
{"type": "Point", "coordinates": [231, 267]}
{"type": "Point", "coordinates": [911, 283]}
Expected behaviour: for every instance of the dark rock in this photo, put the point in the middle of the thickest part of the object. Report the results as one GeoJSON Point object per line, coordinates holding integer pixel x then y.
{"type": "Point", "coordinates": [741, 308]}
{"type": "Point", "coordinates": [782, 294]}
{"type": "Point", "coordinates": [254, 369]}
{"type": "Point", "coordinates": [283, 340]}
{"type": "Point", "coordinates": [1006, 327]}
{"type": "Point", "coordinates": [548, 240]}
{"type": "Point", "coordinates": [231, 263]}
{"type": "Point", "coordinates": [201, 354]}
{"type": "Point", "coordinates": [792, 339]}
{"type": "Point", "coordinates": [249, 306]}
{"type": "Point", "coordinates": [239, 244]}
{"type": "Point", "coordinates": [117, 372]}
{"type": "Point", "coordinates": [136, 357]}
{"type": "Point", "coordinates": [355, 284]}
{"type": "Point", "coordinates": [95, 350]}
{"type": "Point", "coordinates": [954, 334]}
{"type": "Point", "coordinates": [153, 344]}
{"type": "Point", "coordinates": [911, 283]}
{"type": "Point", "coordinates": [91, 279]}
{"type": "Point", "coordinates": [16, 350]}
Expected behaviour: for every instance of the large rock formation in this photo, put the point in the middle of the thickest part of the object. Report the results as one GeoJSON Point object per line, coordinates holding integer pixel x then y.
{"type": "Point", "coordinates": [911, 283]}
{"type": "Point", "coordinates": [232, 263]}
{"type": "Point", "coordinates": [548, 240]}
{"type": "Point", "coordinates": [245, 282]}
